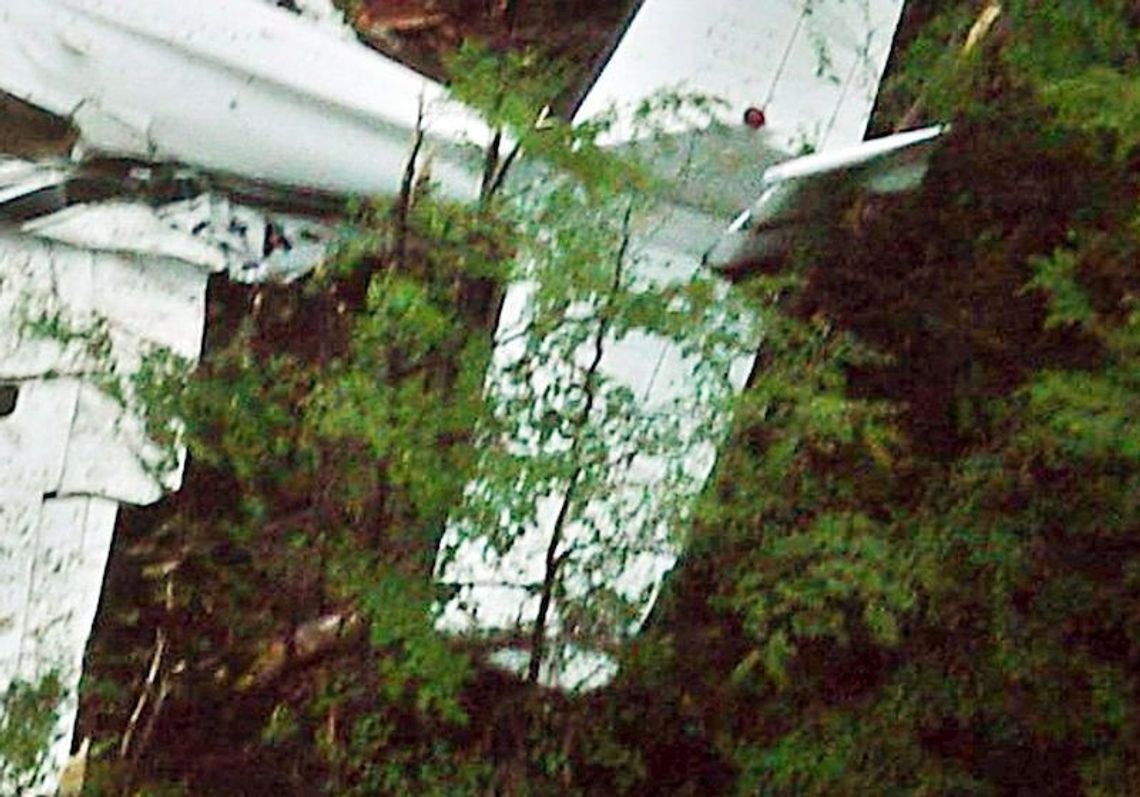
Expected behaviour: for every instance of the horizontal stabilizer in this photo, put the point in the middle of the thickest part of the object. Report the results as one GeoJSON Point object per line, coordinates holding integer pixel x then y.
{"type": "Point", "coordinates": [818, 189]}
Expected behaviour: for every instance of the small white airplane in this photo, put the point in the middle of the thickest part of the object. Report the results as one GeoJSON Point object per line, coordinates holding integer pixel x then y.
{"type": "Point", "coordinates": [245, 89]}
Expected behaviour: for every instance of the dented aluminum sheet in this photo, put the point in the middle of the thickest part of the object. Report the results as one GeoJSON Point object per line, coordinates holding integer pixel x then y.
{"type": "Point", "coordinates": [209, 231]}
{"type": "Point", "coordinates": [235, 86]}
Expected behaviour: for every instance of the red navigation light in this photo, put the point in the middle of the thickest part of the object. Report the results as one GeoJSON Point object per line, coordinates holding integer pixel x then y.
{"type": "Point", "coordinates": [754, 118]}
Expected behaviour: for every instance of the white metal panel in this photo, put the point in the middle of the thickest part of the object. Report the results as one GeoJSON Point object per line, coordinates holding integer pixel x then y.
{"type": "Point", "coordinates": [726, 49]}
{"type": "Point", "coordinates": [146, 302]}
{"type": "Point", "coordinates": [125, 227]}
{"type": "Point", "coordinates": [823, 95]}
{"type": "Point", "coordinates": [110, 455]}
{"type": "Point", "coordinates": [814, 189]}
{"type": "Point", "coordinates": [869, 26]}
{"type": "Point", "coordinates": [572, 668]}
{"type": "Point", "coordinates": [238, 234]}
{"type": "Point", "coordinates": [20, 177]}
{"type": "Point", "coordinates": [19, 527]}
{"type": "Point", "coordinates": [852, 156]}
{"type": "Point", "coordinates": [323, 14]}
{"type": "Point", "coordinates": [156, 300]}
{"type": "Point", "coordinates": [72, 542]}
{"type": "Point", "coordinates": [625, 539]}
{"type": "Point", "coordinates": [230, 85]}
{"type": "Point", "coordinates": [66, 437]}
{"type": "Point", "coordinates": [813, 66]}
{"type": "Point", "coordinates": [28, 274]}
{"type": "Point", "coordinates": [208, 230]}
{"type": "Point", "coordinates": [34, 438]}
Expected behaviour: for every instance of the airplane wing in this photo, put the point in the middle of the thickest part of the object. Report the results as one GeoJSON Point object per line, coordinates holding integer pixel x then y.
{"type": "Point", "coordinates": [794, 76]}
{"type": "Point", "coordinates": [789, 77]}
{"type": "Point", "coordinates": [275, 97]}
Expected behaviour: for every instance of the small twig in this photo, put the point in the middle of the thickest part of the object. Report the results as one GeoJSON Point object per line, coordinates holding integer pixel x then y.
{"type": "Point", "coordinates": [144, 695]}
{"type": "Point", "coordinates": [152, 720]}
{"type": "Point", "coordinates": [509, 10]}
{"type": "Point", "coordinates": [148, 688]}
{"type": "Point", "coordinates": [490, 165]}
{"type": "Point", "coordinates": [500, 173]}
{"type": "Point", "coordinates": [404, 202]}
{"type": "Point", "coordinates": [301, 645]}
{"type": "Point", "coordinates": [504, 167]}
{"type": "Point", "coordinates": [982, 26]}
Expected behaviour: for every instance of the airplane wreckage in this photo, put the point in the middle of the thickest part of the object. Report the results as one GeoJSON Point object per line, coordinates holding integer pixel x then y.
{"type": "Point", "coordinates": [257, 93]}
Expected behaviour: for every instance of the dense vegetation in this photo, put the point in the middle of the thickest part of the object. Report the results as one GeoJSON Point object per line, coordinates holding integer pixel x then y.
{"type": "Point", "coordinates": [916, 571]}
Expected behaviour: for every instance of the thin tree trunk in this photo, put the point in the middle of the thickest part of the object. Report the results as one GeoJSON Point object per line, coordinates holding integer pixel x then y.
{"type": "Point", "coordinates": [553, 559]}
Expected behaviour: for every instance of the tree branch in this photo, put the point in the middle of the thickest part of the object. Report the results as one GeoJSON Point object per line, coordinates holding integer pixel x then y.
{"type": "Point", "coordinates": [553, 560]}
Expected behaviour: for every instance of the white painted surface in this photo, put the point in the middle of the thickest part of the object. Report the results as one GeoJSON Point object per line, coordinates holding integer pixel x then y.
{"type": "Point", "coordinates": [110, 455]}
{"type": "Point", "coordinates": [144, 303]}
{"type": "Point", "coordinates": [19, 524]}
{"type": "Point", "coordinates": [622, 538]}
{"type": "Point", "coordinates": [814, 67]}
{"type": "Point", "coordinates": [52, 557]}
{"type": "Point", "coordinates": [68, 452]}
{"type": "Point", "coordinates": [852, 156]}
{"type": "Point", "coordinates": [237, 233]}
{"type": "Point", "coordinates": [245, 88]}
{"type": "Point", "coordinates": [126, 228]}
{"type": "Point", "coordinates": [34, 438]}
{"type": "Point", "coordinates": [208, 231]}
{"type": "Point", "coordinates": [20, 177]}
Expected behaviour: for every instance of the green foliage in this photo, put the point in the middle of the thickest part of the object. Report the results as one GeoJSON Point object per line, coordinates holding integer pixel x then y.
{"type": "Point", "coordinates": [916, 570]}
{"type": "Point", "coordinates": [1056, 40]}
{"type": "Point", "coordinates": [28, 715]}
{"type": "Point", "coordinates": [93, 339]}
{"type": "Point", "coordinates": [513, 91]}
{"type": "Point", "coordinates": [909, 615]}
{"type": "Point", "coordinates": [415, 662]}
{"type": "Point", "coordinates": [1056, 276]}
